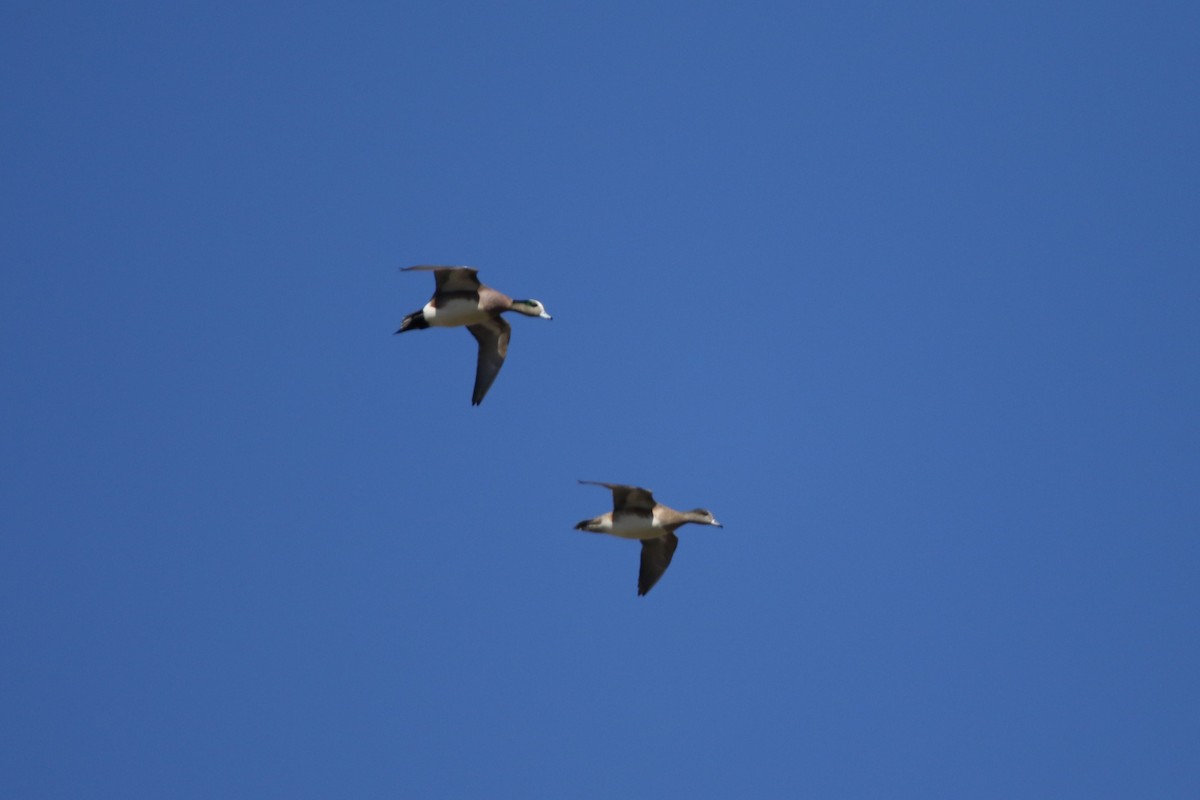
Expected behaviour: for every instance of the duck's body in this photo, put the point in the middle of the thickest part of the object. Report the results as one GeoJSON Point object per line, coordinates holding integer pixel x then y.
{"type": "Point", "coordinates": [636, 515]}
{"type": "Point", "coordinates": [460, 300]}
{"type": "Point", "coordinates": [628, 526]}
{"type": "Point", "coordinates": [453, 312]}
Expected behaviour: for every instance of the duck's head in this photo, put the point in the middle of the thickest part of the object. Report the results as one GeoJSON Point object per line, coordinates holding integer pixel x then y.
{"type": "Point", "coordinates": [704, 517]}
{"type": "Point", "coordinates": [531, 308]}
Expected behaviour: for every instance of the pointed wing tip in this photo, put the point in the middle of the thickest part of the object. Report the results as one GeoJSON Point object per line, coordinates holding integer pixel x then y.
{"type": "Point", "coordinates": [492, 337]}
{"type": "Point", "coordinates": [656, 557]}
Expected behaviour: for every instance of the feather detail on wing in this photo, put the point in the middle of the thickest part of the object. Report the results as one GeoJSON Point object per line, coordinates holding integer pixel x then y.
{"type": "Point", "coordinates": [450, 279]}
{"type": "Point", "coordinates": [628, 498]}
{"type": "Point", "coordinates": [493, 337]}
{"type": "Point", "coordinates": [656, 557]}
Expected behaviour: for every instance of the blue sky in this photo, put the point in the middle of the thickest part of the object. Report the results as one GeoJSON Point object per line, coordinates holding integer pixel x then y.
{"type": "Point", "coordinates": [905, 293]}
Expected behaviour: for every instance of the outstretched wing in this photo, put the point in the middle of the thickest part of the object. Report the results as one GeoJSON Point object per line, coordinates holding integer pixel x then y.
{"type": "Point", "coordinates": [493, 338]}
{"type": "Point", "coordinates": [656, 557]}
{"type": "Point", "coordinates": [628, 498]}
{"type": "Point", "coordinates": [450, 279]}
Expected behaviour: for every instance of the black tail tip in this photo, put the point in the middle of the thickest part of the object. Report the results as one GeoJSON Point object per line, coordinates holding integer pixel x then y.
{"type": "Point", "coordinates": [414, 321]}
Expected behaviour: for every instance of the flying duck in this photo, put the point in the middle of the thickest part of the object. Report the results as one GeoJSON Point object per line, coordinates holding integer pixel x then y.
{"type": "Point", "coordinates": [460, 299]}
{"type": "Point", "coordinates": [636, 515]}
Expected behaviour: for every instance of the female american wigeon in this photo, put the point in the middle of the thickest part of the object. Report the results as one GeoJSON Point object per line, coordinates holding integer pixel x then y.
{"type": "Point", "coordinates": [636, 515]}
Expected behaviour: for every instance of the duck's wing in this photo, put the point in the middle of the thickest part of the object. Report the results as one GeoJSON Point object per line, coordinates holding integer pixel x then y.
{"type": "Point", "coordinates": [656, 557]}
{"type": "Point", "coordinates": [450, 279]}
{"type": "Point", "coordinates": [628, 498]}
{"type": "Point", "coordinates": [493, 338]}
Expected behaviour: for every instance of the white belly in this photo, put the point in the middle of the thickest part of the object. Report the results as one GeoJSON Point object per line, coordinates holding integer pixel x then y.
{"type": "Point", "coordinates": [455, 312]}
{"type": "Point", "coordinates": [631, 527]}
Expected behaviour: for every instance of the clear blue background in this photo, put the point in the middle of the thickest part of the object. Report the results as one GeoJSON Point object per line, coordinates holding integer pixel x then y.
{"type": "Point", "coordinates": [905, 293]}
